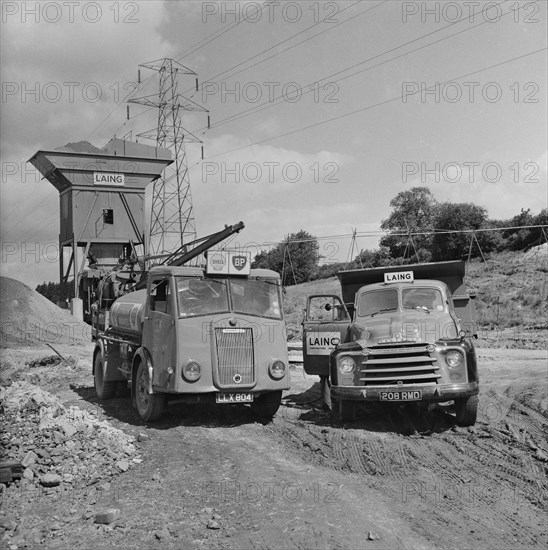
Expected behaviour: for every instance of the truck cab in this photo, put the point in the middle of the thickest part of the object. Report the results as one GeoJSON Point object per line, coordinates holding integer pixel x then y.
{"type": "Point", "coordinates": [399, 334]}
{"type": "Point", "coordinates": [197, 335]}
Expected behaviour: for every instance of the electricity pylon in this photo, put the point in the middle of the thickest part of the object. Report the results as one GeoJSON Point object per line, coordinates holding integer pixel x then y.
{"type": "Point", "coordinates": [172, 217]}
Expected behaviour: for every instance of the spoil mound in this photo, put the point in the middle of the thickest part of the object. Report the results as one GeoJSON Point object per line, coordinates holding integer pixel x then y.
{"type": "Point", "coordinates": [29, 318]}
{"type": "Point", "coordinates": [80, 147]}
{"type": "Point", "coordinates": [69, 445]}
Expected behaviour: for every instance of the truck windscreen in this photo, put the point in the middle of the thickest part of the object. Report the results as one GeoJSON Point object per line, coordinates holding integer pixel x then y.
{"type": "Point", "coordinates": [377, 301]}
{"type": "Point", "coordinates": [254, 297]}
{"type": "Point", "coordinates": [201, 297]}
{"type": "Point", "coordinates": [422, 298]}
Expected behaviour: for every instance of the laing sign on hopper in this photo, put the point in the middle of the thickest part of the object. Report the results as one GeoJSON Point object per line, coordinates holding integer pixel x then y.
{"type": "Point", "coordinates": [103, 178]}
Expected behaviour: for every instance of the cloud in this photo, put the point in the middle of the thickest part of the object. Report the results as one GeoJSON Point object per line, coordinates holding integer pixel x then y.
{"type": "Point", "coordinates": [53, 93]}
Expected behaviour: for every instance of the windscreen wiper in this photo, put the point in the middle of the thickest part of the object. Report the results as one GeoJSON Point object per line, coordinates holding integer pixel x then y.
{"type": "Point", "coordinates": [383, 310]}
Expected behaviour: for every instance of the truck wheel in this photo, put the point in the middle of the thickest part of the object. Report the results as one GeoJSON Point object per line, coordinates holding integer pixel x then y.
{"type": "Point", "coordinates": [104, 390]}
{"type": "Point", "coordinates": [347, 410]}
{"type": "Point", "coordinates": [267, 405]}
{"type": "Point", "coordinates": [466, 409]}
{"type": "Point", "coordinates": [150, 406]}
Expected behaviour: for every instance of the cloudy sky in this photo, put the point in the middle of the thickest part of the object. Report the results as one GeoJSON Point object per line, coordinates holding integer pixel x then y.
{"type": "Point", "coordinates": [321, 112]}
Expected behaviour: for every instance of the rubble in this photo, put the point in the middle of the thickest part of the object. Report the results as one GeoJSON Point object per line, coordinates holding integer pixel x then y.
{"type": "Point", "coordinates": [51, 480]}
{"type": "Point", "coordinates": [107, 516]}
{"type": "Point", "coordinates": [45, 361]}
{"type": "Point", "coordinates": [57, 445]}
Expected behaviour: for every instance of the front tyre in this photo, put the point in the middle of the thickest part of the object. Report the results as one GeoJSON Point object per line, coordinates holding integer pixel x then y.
{"type": "Point", "coordinates": [466, 410]}
{"type": "Point", "coordinates": [266, 405]}
{"type": "Point", "coordinates": [104, 390]}
{"type": "Point", "coordinates": [150, 406]}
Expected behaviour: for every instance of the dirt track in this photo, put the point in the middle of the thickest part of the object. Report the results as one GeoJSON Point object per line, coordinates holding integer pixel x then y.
{"type": "Point", "coordinates": [306, 480]}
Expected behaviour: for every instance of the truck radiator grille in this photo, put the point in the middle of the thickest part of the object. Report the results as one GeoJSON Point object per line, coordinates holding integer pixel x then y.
{"type": "Point", "coordinates": [390, 364]}
{"type": "Point", "coordinates": [235, 356]}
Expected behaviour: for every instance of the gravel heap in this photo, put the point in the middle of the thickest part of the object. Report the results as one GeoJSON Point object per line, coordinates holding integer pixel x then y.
{"type": "Point", "coordinates": [59, 445]}
{"type": "Point", "coordinates": [29, 319]}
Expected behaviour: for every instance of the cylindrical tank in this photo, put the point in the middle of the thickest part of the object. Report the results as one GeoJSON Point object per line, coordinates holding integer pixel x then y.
{"type": "Point", "coordinates": [127, 312]}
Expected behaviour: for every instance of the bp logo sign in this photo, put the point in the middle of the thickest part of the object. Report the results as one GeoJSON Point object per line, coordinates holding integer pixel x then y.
{"type": "Point", "coordinates": [239, 262]}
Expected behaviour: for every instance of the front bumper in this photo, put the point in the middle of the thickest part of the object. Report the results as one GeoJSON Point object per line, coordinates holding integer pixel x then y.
{"type": "Point", "coordinates": [430, 392]}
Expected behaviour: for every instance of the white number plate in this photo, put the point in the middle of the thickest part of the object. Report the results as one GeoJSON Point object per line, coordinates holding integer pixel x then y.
{"type": "Point", "coordinates": [234, 398]}
{"type": "Point", "coordinates": [400, 395]}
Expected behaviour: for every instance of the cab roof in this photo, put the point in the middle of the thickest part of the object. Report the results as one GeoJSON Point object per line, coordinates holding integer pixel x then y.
{"type": "Point", "coordinates": [451, 273]}
{"type": "Point", "coordinates": [419, 283]}
{"type": "Point", "coordinates": [187, 271]}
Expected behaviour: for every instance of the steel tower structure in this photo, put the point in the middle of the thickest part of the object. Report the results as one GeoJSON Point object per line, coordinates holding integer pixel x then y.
{"type": "Point", "coordinates": [172, 217]}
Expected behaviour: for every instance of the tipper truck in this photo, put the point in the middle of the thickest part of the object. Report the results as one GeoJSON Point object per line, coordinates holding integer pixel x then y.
{"type": "Point", "coordinates": [399, 334]}
{"type": "Point", "coordinates": [195, 335]}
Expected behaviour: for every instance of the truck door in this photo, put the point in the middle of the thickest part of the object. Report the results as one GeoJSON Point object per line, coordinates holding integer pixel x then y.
{"type": "Point", "coordinates": [325, 325]}
{"type": "Point", "coordinates": [159, 327]}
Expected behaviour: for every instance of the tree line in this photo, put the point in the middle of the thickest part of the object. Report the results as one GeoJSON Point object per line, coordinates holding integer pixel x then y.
{"type": "Point", "coordinates": [52, 291]}
{"type": "Point", "coordinates": [419, 229]}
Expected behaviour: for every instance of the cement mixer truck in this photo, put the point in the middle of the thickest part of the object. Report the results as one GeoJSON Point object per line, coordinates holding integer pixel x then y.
{"type": "Point", "coordinates": [195, 335]}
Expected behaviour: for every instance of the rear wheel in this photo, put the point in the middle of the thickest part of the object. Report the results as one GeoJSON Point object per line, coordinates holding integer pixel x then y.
{"type": "Point", "coordinates": [466, 409]}
{"type": "Point", "coordinates": [347, 410]}
{"type": "Point", "coordinates": [104, 390]}
{"type": "Point", "coordinates": [150, 406]}
{"type": "Point", "coordinates": [267, 404]}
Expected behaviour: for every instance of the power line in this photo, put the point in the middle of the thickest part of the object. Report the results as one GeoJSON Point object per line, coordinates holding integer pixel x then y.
{"type": "Point", "coordinates": [194, 48]}
{"type": "Point", "coordinates": [368, 107]}
{"type": "Point", "coordinates": [308, 88]}
{"type": "Point", "coordinates": [380, 233]}
{"type": "Point", "coordinates": [260, 53]}
{"type": "Point", "coordinates": [291, 38]}
{"type": "Point", "coordinates": [27, 215]}
{"type": "Point", "coordinates": [214, 36]}
{"type": "Point", "coordinates": [35, 229]}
